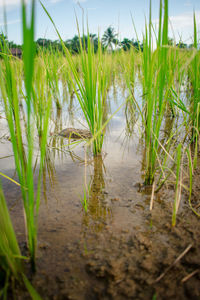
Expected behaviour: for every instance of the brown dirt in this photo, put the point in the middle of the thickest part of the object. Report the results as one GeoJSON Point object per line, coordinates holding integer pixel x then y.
{"type": "Point", "coordinates": [117, 254]}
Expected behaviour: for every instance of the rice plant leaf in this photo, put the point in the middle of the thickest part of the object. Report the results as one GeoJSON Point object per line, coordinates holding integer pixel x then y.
{"type": "Point", "coordinates": [181, 104]}
{"type": "Point", "coordinates": [9, 178]}
{"type": "Point", "coordinates": [178, 162]}
{"type": "Point", "coordinates": [33, 293]}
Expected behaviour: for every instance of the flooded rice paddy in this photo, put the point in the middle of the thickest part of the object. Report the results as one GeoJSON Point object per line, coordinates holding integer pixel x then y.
{"type": "Point", "coordinates": [118, 249]}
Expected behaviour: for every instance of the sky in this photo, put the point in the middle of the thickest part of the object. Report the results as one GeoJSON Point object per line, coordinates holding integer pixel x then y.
{"type": "Point", "coordinates": [100, 14]}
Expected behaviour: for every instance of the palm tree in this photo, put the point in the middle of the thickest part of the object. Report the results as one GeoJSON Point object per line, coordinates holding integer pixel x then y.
{"type": "Point", "coordinates": [126, 44]}
{"type": "Point", "coordinates": [109, 38]}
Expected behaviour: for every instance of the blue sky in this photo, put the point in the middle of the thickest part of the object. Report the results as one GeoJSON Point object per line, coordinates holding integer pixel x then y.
{"type": "Point", "coordinates": [101, 14]}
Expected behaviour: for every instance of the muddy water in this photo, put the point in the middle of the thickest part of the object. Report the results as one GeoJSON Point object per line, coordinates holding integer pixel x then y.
{"type": "Point", "coordinates": [118, 248]}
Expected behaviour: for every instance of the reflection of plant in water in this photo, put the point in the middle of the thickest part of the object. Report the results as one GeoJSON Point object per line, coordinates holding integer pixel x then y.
{"type": "Point", "coordinates": [71, 109]}
{"type": "Point", "coordinates": [54, 142]}
{"type": "Point", "coordinates": [98, 212]}
{"type": "Point", "coordinates": [86, 195]}
{"type": "Point", "coordinates": [131, 116]}
{"type": "Point", "coordinates": [49, 169]}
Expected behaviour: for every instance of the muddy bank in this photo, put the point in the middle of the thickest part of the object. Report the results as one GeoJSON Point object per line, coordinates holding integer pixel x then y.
{"type": "Point", "coordinates": [125, 264]}
{"type": "Point", "coordinates": [118, 249]}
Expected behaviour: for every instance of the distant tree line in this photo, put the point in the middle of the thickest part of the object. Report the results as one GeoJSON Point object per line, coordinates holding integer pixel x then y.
{"type": "Point", "coordinates": [109, 42]}
{"type": "Point", "coordinates": [4, 42]}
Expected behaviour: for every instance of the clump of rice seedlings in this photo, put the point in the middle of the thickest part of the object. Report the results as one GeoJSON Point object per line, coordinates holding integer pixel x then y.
{"type": "Point", "coordinates": [194, 74]}
{"type": "Point", "coordinates": [23, 157]}
{"type": "Point", "coordinates": [93, 88]}
{"type": "Point", "coordinates": [156, 83]}
{"type": "Point", "coordinates": [42, 94]}
{"type": "Point", "coordinates": [164, 113]}
{"type": "Point", "coordinates": [196, 85]}
{"type": "Point", "coordinates": [52, 68]}
{"type": "Point", "coordinates": [156, 90]}
{"type": "Point", "coordinates": [191, 168]}
{"type": "Point", "coordinates": [90, 85]}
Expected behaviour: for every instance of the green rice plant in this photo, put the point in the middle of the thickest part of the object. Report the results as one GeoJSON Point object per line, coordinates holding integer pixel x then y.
{"type": "Point", "coordinates": [52, 68]}
{"type": "Point", "coordinates": [191, 168]}
{"type": "Point", "coordinates": [155, 90]}
{"type": "Point", "coordinates": [157, 81]}
{"type": "Point", "coordinates": [161, 69]}
{"type": "Point", "coordinates": [86, 194]}
{"type": "Point", "coordinates": [23, 157]}
{"type": "Point", "coordinates": [42, 94]}
{"type": "Point", "coordinates": [91, 87]}
{"type": "Point", "coordinates": [194, 74]}
{"type": "Point", "coordinates": [10, 256]}
{"type": "Point", "coordinates": [127, 61]}
{"type": "Point", "coordinates": [195, 86]}
{"type": "Point", "coordinates": [178, 184]}
{"type": "Point", "coordinates": [156, 99]}
{"type": "Point", "coordinates": [9, 178]}
{"type": "Point", "coordinates": [11, 268]}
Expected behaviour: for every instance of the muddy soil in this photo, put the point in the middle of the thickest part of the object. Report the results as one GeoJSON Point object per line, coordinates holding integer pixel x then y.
{"type": "Point", "coordinates": [118, 249]}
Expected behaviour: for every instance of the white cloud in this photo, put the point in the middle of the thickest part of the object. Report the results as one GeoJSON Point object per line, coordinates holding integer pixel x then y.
{"type": "Point", "coordinates": [11, 22]}
{"type": "Point", "coordinates": [182, 25]}
{"type": "Point", "coordinates": [55, 1]}
{"type": "Point", "coordinates": [9, 2]}
{"type": "Point", "coordinates": [184, 21]}
{"type": "Point", "coordinates": [92, 8]}
{"type": "Point", "coordinates": [188, 3]}
{"type": "Point", "coordinates": [79, 1]}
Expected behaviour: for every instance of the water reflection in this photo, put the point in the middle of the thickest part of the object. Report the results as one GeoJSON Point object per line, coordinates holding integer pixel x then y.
{"type": "Point", "coordinates": [131, 116]}
{"type": "Point", "coordinates": [71, 109]}
{"type": "Point", "coordinates": [98, 210]}
{"type": "Point", "coordinates": [49, 172]}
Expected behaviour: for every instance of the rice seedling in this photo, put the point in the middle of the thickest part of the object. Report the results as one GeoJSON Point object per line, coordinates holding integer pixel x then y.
{"type": "Point", "coordinates": [23, 157]}
{"type": "Point", "coordinates": [178, 185]}
{"type": "Point", "coordinates": [93, 91]}
{"type": "Point", "coordinates": [91, 87]}
{"type": "Point", "coordinates": [52, 68]}
{"type": "Point", "coordinates": [156, 90]}
{"type": "Point", "coordinates": [157, 81]}
{"type": "Point", "coordinates": [191, 168]}
{"type": "Point", "coordinates": [195, 86]}
{"type": "Point", "coordinates": [11, 267]}
{"type": "Point", "coordinates": [10, 256]}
